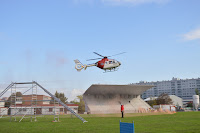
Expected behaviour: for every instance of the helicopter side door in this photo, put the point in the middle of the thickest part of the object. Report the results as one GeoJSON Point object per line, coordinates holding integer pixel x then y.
{"type": "Point", "coordinates": [109, 64]}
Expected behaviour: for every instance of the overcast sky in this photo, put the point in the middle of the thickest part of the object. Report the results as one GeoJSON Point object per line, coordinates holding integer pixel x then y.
{"type": "Point", "coordinates": [39, 39]}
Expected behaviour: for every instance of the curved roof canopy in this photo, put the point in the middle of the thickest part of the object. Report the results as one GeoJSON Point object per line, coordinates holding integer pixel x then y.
{"type": "Point", "coordinates": [117, 89]}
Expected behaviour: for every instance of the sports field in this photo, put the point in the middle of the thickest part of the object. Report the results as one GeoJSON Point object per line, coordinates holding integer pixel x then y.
{"type": "Point", "coordinates": [182, 122]}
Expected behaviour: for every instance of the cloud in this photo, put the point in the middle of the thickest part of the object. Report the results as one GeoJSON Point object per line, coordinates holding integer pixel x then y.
{"type": "Point", "coordinates": [192, 35]}
{"type": "Point", "coordinates": [134, 2]}
{"type": "Point", "coordinates": [74, 93]}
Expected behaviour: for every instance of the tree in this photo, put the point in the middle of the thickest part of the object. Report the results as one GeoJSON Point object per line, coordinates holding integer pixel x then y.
{"type": "Point", "coordinates": [8, 102]}
{"type": "Point", "coordinates": [81, 104]}
{"type": "Point", "coordinates": [189, 104]}
{"type": "Point", "coordinates": [152, 102]}
{"type": "Point", "coordinates": [57, 94]}
{"type": "Point", "coordinates": [18, 94]}
{"type": "Point", "coordinates": [197, 91]}
{"type": "Point", "coordinates": [61, 96]}
{"type": "Point", "coordinates": [164, 99]}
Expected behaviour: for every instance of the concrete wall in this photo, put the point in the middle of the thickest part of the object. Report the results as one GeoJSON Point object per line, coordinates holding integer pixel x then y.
{"type": "Point", "coordinates": [106, 99]}
{"type": "Point", "coordinates": [102, 105]}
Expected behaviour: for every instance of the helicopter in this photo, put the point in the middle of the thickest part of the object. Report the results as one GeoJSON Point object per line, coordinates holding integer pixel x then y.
{"type": "Point", "coordinates": [104, 63]}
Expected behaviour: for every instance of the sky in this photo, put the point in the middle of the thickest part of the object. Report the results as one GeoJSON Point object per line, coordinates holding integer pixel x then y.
{"type": "Point", "coordinates": [40, 39]}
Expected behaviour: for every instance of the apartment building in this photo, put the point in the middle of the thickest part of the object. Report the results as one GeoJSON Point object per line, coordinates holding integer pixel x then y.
{"type": "Point", "coordinates": [183, 88]}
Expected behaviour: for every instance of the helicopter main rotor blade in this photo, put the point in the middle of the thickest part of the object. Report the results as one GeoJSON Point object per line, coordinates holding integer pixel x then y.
{"type": "Point", "coordinates": [94, 59]}
{"type": "Point", "coordinates": [117, 54]}
{"type": "Point", "coordinates": [98, 54]}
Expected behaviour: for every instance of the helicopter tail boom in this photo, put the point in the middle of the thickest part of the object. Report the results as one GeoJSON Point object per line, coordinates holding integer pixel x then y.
{"type": "Point", "coordinates": [79, 66]}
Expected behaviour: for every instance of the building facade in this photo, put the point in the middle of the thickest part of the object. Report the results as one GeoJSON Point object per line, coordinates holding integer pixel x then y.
{"type": "Point", "coordinates": [3, 111]}
{"type": "Point", "coordinates": [183, 88]}
{"type": "Point", "coordinates": [2, 103]}
{"type": "Point", "coordinates": [44, 109]}
{"type": "Point", "coordinates": [42, 106]}
{"type": "Point", "coordinates": [41, 99]}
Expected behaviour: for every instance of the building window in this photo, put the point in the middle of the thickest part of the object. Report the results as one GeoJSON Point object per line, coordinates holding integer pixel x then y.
{"type": "Point", "coordinates": [50, 109]}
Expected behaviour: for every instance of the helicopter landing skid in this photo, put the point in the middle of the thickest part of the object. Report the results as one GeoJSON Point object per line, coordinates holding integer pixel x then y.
{"type": "Point", "coordinates": [111, 70]}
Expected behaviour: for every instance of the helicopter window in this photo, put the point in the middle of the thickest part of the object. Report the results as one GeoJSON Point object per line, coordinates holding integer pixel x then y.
{"type": "Point", "coordinates": [110, 62]}
{"type": "Point", "coordinates": [113, 61]}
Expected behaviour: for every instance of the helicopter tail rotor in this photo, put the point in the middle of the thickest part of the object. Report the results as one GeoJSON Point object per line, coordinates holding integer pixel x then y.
{"type": "Point", "coordinates": [79, 66]}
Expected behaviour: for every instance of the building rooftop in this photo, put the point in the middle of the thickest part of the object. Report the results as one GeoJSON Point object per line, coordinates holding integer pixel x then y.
{"type": "Point", "coordinates": [173, 79]}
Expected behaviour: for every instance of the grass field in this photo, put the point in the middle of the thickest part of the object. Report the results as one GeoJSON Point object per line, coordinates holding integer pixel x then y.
{"type": "Point", "coordinates": [182, 122]}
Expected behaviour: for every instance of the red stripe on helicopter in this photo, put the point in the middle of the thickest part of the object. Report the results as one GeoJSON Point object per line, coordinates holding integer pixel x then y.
{"type": "Point", "coordinates": [101, 63]}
